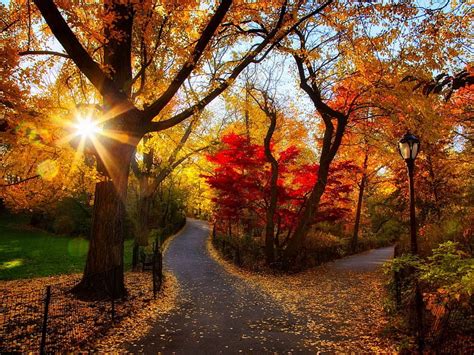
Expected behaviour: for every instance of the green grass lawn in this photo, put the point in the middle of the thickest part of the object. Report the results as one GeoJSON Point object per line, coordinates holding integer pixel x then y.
{"type": "Point", "coordinates": [28, 253]}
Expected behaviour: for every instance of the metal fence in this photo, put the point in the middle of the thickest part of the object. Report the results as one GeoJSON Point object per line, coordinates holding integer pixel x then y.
{"type": "Point", "coordinates": [446, 329]}
{"type": "Point", "coordinates": [450, 329]}
{"type": "Point", "coordinates": [52, 319]}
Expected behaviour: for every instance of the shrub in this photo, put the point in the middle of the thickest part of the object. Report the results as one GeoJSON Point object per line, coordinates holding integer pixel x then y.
{"type": "Point", "coordinates": [449, 229]}
{"type": "Point", "coordinates": [320, 247]}
{"type": "Point", "coordinates": [446, 279]}
{"type": "Point", "coordinates": [244, 251]}
{"type": "Point", "coordinates": [64, 225]}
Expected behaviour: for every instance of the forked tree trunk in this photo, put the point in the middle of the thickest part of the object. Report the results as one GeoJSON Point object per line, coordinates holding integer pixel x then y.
{"type": "Point", "coordinates": [331, 142]}
{"type": "Point", "coordinates": [306, 219]}
{"type": "Point", "coordinates": [103, 274]}
{"type": "Point", "coordinates": [267, 105]}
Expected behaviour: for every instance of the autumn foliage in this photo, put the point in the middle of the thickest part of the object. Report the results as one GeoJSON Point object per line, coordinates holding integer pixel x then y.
{"type": "Point", "coordinates": [241, 183]}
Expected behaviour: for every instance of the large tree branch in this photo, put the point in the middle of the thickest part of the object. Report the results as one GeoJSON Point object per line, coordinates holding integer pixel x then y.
{"type": "Point", "coordinates": [206, 36]}
{"type": "Point", "coordinates": [199, 107]}
{"type": "Point", "coordinates": [76, 51]}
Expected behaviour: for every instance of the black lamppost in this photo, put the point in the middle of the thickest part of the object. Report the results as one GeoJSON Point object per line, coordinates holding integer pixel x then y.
{"type": "Point", "coordinates": [408, 147]}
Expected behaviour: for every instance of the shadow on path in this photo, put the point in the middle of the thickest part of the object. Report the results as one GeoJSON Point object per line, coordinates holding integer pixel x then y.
{"type": "Point", "coordinates": [220, 313]}
{"type": "Point", "coordinates": [216, 312]}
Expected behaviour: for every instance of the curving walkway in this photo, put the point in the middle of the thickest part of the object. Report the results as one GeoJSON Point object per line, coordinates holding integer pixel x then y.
{"type": "Point", "coordinates": [220, 313]}
{"type": "Point", "coordinates": [364, 262]}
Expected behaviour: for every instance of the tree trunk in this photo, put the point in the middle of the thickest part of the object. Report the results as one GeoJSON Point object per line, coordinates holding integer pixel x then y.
{"type": "Point", "coordinates": [363, 182]}
{"type": "Point", "coordinates": [270, 216]}
{"type": "Point", "coordinates": [355, 235]}
{"type": "Point", "coordinates": [332, 139]}
{"type": "Point", "coordinates": [144, 206]}
{"type": "Point", "coordinates": [311, 205]}
{"type": "Point", "coordinates": [310, 210]}
{"type": "Point", "coordinates": [103, 274]}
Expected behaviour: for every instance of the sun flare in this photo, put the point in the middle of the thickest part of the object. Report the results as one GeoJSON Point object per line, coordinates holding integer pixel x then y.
{"type": "Point", "coordinates": [86, 127]}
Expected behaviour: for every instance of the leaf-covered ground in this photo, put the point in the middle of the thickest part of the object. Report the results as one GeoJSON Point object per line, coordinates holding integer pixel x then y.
{"type": "Point", "coordinates": [217, 312]}
{"type": "Point", "coordinates": [343, 309]}
{"type": "Point", "coordinates": [75, 325]}
{"type": "Point", "coordinates": [222, 309]}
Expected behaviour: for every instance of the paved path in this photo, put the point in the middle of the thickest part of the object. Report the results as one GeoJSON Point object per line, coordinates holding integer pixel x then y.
{"type": "Point", "coordinates": [219, 313]}
{"type": "Point", "coordinates": [364, 262]}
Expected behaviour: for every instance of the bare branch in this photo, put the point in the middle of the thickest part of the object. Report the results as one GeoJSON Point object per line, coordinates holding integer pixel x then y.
{"type": "Point", "coordinates": [58, 54]}
{"type": "Point", "coordinates": [3, 186]}
{"type": "Point", "coordinates": [190, 64]}
{"type": "Point", "coordinates": [272, 39]}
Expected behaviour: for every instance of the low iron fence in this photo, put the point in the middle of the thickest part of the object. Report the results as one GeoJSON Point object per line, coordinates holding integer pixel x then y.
{"type": "Point", "coordinates": [447, 326]}
{"type": "Point", "coordinates": [52, 319]}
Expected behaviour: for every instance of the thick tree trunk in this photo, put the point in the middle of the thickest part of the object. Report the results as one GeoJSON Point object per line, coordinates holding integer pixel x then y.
{"type": "Point", "coordinates": [103, 274]}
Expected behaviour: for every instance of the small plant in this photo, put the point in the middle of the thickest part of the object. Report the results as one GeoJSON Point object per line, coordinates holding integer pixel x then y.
{"type": "Point", "coordinates": [446, 279]}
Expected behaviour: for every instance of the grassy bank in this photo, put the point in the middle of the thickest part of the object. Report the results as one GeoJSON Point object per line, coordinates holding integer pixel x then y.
{"type": "Point", "coordinates": [27, 252]}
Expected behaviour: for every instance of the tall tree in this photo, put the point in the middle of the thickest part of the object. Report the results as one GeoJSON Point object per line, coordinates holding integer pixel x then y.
{"type": "Point", "coordinates": [339, 69]}
{"type": "Point", "coordinates": [267, 105]}
{"type": "Point", "coordinates": [130, 49]}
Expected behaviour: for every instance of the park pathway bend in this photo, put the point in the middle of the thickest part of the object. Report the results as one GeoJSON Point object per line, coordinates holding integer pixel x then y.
{"type": "Point", "coordinates": [217, 312]}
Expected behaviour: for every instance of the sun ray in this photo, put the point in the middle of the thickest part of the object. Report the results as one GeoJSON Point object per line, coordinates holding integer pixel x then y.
{"type": "Point", "coordinates": [87, 127]}
{"type": "Point", "coordinates": [105, 157]}
{"type": "Point", "coordinates": [121, 137]}
{"type": "Point", "coordinates": [85, 135]}
{"type": "Point", "coordinates": [67, 138]}
{"type": "Point", "coordinates": [116, 111]}
{"type": "Point", "coordinates": [78, 155]}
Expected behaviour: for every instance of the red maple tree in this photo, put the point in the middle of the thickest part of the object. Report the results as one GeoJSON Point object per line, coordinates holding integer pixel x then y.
{"type": "Point", "coordinates": [241, 182]}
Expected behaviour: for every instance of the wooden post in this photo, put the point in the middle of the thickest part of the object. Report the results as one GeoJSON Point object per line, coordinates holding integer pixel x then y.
{"type": "Point", "coordinates": [153, 269]}
{"type": "Point", "coordinates": [44, 329]}
{"type": "Point", "coordinates": [136, 250]}
{"type": "Point", "coordinates": [113, 297]}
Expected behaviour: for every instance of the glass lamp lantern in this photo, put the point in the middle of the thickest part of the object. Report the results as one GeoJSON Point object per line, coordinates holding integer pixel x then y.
{"type": "Point", "coordinates": [409, 146]}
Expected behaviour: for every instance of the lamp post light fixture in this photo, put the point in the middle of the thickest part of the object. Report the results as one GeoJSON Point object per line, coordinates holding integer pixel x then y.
{"type": "Point", "coordinates": [409, 146]}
